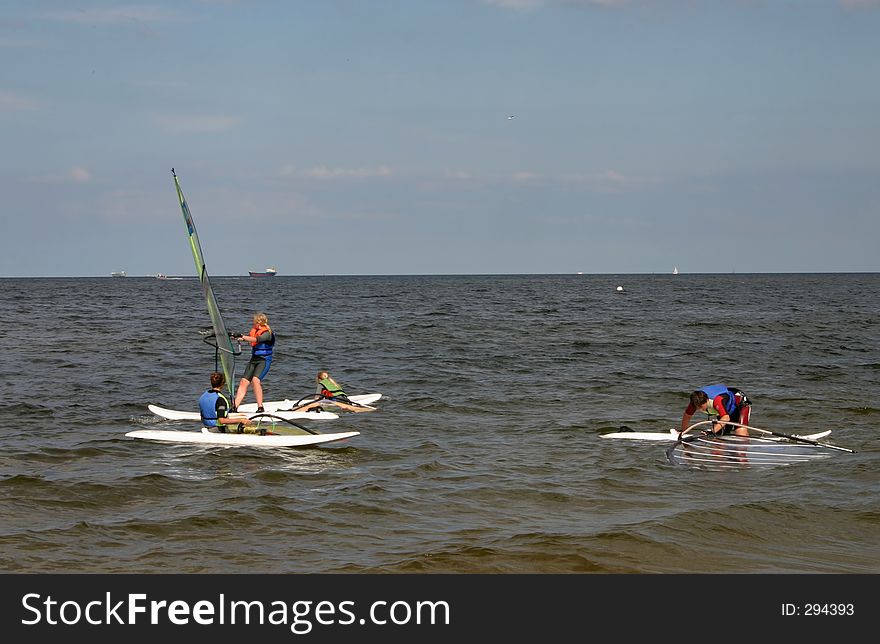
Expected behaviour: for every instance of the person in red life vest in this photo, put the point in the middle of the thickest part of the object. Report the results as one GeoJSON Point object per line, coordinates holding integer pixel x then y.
{"type": "Point", "coordinates": [330, 390]}
{"type": "Point", "coordinates": [262, 340]}
{"type": "Point", "coordinates": [723, 404]}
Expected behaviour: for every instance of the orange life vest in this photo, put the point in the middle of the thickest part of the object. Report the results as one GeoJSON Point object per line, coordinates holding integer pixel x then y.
{"type": "Point", "coordinates": [261, 348]}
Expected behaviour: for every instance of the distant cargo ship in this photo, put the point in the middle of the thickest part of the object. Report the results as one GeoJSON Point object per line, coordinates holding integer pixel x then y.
{"type": "Point", "coordinates": [269, 272]}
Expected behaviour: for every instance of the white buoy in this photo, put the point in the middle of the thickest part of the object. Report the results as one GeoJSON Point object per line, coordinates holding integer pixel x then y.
{"type": "Point", "coordinates": [620, 289]}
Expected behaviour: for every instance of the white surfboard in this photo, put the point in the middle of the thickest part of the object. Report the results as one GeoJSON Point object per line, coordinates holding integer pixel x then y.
{"type": "Point", "coordinates": [672, 435]}
{"type": "Point", "coordinates": [287, 404]}
{"type": "Point", "coordinates": [173, 414]}
{"type": "Point", "coordinates": [251, 440]}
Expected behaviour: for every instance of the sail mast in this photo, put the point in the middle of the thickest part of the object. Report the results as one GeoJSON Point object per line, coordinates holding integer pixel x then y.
{"type": "Point", "coordinates": [224, 344]}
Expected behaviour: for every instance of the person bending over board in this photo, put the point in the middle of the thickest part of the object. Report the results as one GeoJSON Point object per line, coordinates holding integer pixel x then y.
{"type": "Point", "coordinates": [262, 340]}
{"type": "Point", "coordinates": [330, 390]}
{"type": "Point", "coordinates": [723, 404]}
{"type": "Point", "coordinates": [214, 407]}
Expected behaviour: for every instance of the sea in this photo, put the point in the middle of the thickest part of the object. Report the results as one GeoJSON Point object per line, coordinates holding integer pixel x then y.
{"type": "Point", "coordinates": [486, 452]}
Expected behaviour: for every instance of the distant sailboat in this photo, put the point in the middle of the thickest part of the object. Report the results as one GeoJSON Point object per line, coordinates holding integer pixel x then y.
{"type": "Point", "coordinates": [675, 270]}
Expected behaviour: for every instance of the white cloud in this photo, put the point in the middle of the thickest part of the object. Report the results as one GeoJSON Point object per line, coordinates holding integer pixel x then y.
{"type": "Point", "coordinates": [112, 15]}
{"type": "Point", "coordinates": [323, 172]}
{"type": "Point", "coordinates": [15, 101]}
{"type": "Point", "coordinates": [80, 174]}
{"type": "Point", "coordinates": [19, 43]}
{"type": "Point", "coordinates": [610, 181]}
{"type": "Point", "coordinates": [516, 5]}
{"type": "Point", "coordinates": [527, 5]}
{"type": "Point", "coordinates": [160, 84]}
{"type": "Point", "coordinates": [196, 124]}
{"type": "Point", "coordinates": [76, 174]}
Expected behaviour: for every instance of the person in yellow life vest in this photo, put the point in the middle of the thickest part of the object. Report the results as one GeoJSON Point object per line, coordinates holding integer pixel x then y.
{"type": "Point", "coordinates": [330, 391]}
{"type": "Point", "coordinates": [262, 340]}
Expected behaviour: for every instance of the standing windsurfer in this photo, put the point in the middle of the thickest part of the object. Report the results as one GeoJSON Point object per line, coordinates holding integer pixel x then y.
{"type": "Point", "coordinates": [262, 340]}
{"type": "Point", "coordinates": [723, 404]}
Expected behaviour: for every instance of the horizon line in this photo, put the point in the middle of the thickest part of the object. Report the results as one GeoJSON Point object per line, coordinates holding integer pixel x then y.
{"type": "Point", "coordinates": [576, 274]}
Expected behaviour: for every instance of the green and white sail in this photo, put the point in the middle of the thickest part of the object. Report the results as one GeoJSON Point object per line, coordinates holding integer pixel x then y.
{"type": "Point", "coordinates": [225, 348]}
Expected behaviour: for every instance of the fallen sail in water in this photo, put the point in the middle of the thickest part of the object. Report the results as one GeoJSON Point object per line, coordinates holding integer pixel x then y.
{"type": "Point", "coordinates": [737, 452]}
{"type": "Point", "coordinates": [672, 435]}
{"type": "Point", "coordinates": [761, 448]}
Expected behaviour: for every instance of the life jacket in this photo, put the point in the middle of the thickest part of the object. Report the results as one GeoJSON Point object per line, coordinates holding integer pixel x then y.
{"type": "Point", "coordinates": [329, 390]}
{"type": "Point", "coordinates": [262, 349]}
{"type": "Point", "coordinates": [208, 407]}
{"type": "Point", "coordinates": [729, 398]}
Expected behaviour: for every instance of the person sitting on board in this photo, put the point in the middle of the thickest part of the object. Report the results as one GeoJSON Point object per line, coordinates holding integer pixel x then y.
{"type": "Point", "coordinates": [262, 340]}
{"type": "Point", "coordinates": [214, 407]}
{"type": "Point", "coordinates": [723, 404]}
{"type": "Point", "coordinates": [330, 390]}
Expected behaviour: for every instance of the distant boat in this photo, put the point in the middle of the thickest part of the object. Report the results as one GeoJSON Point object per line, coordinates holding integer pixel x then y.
{"type": "Point", "coordinates": [269, 272]}
{"type": "Point", "coordinates": [117, 274]}
{"type": "Point", "coordinates": [675, 270]}
{"type": "Point", "coordinates": [161, 276]}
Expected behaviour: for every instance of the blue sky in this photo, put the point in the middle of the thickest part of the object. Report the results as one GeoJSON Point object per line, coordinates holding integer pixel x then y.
{"type": "Point", "coordinates": [374, 137]}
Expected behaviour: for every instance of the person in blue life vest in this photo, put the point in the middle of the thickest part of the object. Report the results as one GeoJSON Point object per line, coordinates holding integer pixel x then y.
{"type": "Point", "coordinates": [262, 340]}
{"type": "Point", "coordinates": [330, 390]}
{"type": "Point", "coordinates": [723, 404]}
{"type": "Point", "coordinates": [214, 407]}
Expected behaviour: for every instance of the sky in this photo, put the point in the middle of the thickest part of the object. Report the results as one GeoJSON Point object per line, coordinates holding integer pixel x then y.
{"type": "Point", "coordinates": [380, 137]}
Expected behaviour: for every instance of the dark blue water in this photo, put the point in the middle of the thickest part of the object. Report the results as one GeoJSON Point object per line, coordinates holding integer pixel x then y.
{"type": "Point", "coordinates": [486, 453]}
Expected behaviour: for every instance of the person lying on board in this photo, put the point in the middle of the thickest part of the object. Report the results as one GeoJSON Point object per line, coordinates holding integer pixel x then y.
{"type": "Point", "coordinates": [723, 404]}
{"type": "Point", "coordinates": [330, 390]}
{"type": "Point", "coordinates": [214, 407]}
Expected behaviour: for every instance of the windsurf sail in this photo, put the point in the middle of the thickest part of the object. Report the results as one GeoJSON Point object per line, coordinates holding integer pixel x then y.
{"type": "Point", "coordinates": [222, 341]}
{"type": "Point", "coordinates": [740, 452]}
{"type": "Point", "coordinates": [761, 448]}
